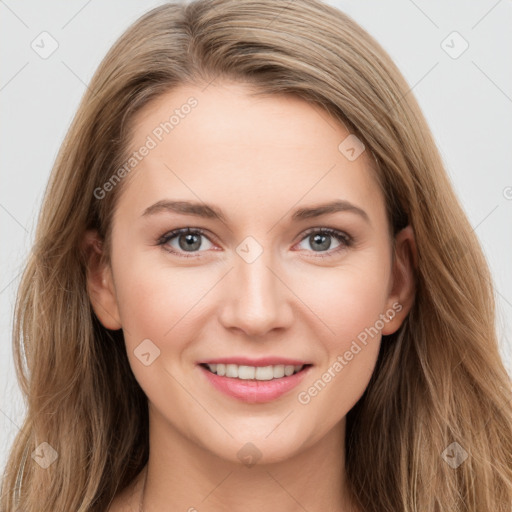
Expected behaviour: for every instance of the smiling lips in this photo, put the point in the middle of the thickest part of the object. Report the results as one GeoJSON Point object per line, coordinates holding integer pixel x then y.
{"type": "Point", "coordinates": [266, 368]}
{"type": "Point", "coordinates": [254, 381]}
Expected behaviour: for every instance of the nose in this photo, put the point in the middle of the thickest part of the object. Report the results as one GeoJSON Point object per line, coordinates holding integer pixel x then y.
{"type": "Point", "coordinates": [257, 299]}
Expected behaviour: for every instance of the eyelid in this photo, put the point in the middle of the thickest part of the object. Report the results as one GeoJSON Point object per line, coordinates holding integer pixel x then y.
{"type": "Point", "coordinates": [328, 230]}
{"type": "Point", "coordinates": [182, 231]}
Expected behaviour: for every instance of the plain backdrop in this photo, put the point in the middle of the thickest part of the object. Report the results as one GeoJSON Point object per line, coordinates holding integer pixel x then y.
{"type": "Point", "coordinates": [462, 80]}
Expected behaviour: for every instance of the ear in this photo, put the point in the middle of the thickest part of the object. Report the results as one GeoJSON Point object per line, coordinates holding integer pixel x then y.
{"type": "Point", "coordinates": [100, 283]}
{"type": "Point", "coordinates": [403, 286]}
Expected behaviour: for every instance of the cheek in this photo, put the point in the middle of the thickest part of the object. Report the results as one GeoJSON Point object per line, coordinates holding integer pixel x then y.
{"type": "Point", "coordinates": [349, 303]}
{"type": "Point", "coordinates": [152, 301]}
{"type": "Point", "coordinates": [346, 300]}
{"type": "Point", "coordinates": [159, 302]}
{"type": "Point", "coordinates": [161, 305]}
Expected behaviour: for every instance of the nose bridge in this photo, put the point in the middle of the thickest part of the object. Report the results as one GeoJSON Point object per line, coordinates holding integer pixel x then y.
{"type": "Point", "coordinates": [256, 300]}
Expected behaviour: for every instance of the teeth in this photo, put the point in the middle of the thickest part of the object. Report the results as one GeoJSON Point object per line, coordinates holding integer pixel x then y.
{"type": "Point", "coordinates": [245, 372]}
{"type": "Point", "coordinates": [254, 372]}
{"type": "Point", "coordinates": [264, 373]}
{"type": "Point", "coordinates": [278, 371]}
{"type": "Point", "coordinates": [231, 370]}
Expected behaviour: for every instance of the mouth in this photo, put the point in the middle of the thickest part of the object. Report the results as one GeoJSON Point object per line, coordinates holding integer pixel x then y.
{"type": "Point", "coordinates": [254, 384]}
{"type": "Point", "coordinates": [256, 373]}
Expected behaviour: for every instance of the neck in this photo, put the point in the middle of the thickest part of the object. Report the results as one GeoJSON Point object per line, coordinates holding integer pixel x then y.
{"type": "Point", "coordinates": [194, 477]}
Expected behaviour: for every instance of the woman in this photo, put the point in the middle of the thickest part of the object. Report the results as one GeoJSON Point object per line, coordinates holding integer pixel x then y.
{"type": "Point", "coordinates": [253, 286]}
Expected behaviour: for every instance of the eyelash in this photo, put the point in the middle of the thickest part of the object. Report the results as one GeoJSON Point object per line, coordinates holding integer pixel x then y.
{"type": "Point", "coordinates": [344, 239]}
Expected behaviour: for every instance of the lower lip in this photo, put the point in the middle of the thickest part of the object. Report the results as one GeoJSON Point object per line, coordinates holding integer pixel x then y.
{"type": "Point", "coordinates": [254, 391]}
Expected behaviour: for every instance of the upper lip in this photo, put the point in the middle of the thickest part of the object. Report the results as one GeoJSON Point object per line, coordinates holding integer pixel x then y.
{"type": "Point", "coordinates": [262, 361]}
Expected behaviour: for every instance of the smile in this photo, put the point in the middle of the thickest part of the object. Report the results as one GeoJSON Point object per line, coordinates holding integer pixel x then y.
{"type": "Point", "coordinates": [254, 384]}
{"type": "Point", "coordinates": [254, 372]}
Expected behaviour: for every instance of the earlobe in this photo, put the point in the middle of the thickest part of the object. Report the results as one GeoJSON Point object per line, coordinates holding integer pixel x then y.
{"type": "Point", "coordinates": [403, 287]}
{"type": "Point", "coordinates": [100, 284]}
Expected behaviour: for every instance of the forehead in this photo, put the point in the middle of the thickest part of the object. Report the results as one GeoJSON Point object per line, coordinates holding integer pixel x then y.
{"type": "Point", "coordinates": [224, 146]}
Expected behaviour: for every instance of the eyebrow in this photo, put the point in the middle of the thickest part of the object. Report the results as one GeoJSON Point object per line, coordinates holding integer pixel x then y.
{"type": "Point", "coordinates": [211, 212]}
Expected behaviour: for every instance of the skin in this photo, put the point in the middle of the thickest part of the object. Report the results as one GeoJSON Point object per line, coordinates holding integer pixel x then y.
{"type": "Point", "coordinates": [258, 160]}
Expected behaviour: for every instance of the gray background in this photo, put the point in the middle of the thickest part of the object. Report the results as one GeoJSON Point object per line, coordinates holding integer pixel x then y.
{"type": "Point", "coordinates": [467, 101]}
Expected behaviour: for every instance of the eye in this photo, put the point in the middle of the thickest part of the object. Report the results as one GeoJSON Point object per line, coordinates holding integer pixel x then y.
{"type": "Point", "coordinates": [320, 240]}
{"type": "Point", "coordinates": [187, 239]}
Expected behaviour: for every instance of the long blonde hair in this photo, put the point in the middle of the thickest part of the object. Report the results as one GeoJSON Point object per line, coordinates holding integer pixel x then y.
{"type": "Point", "coordinates": [439, 379]}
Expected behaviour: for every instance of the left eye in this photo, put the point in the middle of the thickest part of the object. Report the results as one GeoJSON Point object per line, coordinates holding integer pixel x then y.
{"type": "Point", "coordinates": [189, 240]}
{"type": "Point", "coordinates": [321, 239]}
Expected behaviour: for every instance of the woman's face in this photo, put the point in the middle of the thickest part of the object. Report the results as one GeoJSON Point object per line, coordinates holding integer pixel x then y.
{"type": "Point", "coordinates": [273, 279]}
